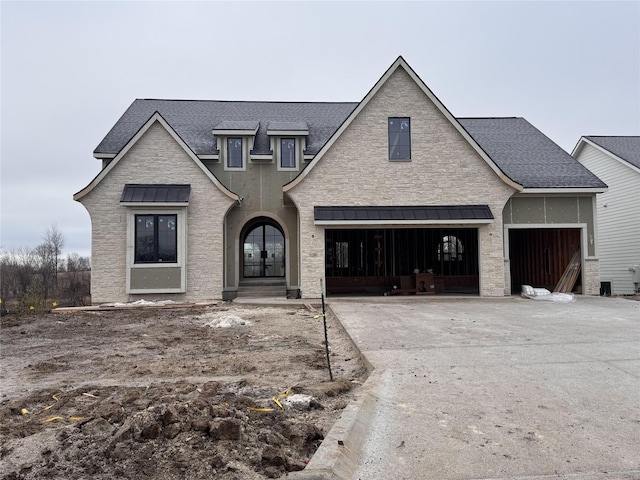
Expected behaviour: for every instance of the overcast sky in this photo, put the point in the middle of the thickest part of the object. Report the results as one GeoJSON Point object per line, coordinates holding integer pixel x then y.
{"type": "Point", "coordinates": [70, 69]}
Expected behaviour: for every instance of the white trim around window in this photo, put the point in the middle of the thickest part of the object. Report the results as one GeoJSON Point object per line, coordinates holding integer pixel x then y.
{"type": "Point", "coordinates": [293, 164]}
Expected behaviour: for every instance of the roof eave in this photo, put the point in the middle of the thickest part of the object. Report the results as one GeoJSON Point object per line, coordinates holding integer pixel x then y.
{"type": "Point", "coordinates": [572, 190]}
{"type": "Point", "coordinates": [104, 156]}
{"type": "Point", "coordinates": [405, 222]}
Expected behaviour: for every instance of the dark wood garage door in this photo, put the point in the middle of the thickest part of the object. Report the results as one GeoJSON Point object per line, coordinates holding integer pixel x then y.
{"type": "Point", "coordinates": [539, 256]}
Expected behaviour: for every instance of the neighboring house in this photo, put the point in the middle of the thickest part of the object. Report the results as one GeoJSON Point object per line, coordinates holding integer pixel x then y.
{"type": "Point", "coordinates": [616, 160]}
{"type": "Point", "coordinates": [201, 200]}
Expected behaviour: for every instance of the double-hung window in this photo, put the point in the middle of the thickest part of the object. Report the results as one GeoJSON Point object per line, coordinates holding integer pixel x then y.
{"type": "Point", "coordinates": [156, 239]}
{"type": "Point", "coordinates": [234, 152]}
{"type": "Point", "coordinates": [287, 153]}
{"type": "Point", "coordinates": [399, 138]}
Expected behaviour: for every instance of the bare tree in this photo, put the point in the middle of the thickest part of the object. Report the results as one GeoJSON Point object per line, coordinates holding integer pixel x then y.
{"type": "Point", "coordinates": [17, 267]}
{"type": "Point", "coordinates": [48, 254]}
{"type": "Point", "coordinates": [54, 238]}
{"type": "Point", "coordinates": [76, 262]}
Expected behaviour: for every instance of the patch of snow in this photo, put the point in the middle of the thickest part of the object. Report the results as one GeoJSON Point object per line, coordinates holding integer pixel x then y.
{"type": "Point", "coordinates": [142, 303]}
{"type": "Point", "coordinates": [298, 401]}
{"type": "Point", "coordinates": [226, 321]}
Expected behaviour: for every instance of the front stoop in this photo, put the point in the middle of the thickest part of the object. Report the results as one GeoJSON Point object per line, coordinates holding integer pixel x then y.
{"type": "Point", "coordinates": [262, 287]}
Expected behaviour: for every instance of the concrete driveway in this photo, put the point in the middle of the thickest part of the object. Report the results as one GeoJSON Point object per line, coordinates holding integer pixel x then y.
{"type": "Point", "coordinates": [492, 389]}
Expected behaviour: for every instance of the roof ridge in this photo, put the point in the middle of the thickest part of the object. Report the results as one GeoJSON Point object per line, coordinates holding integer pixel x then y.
{"type": "Point", "coordinates": [612, 136]}
{"type": "Point", "coordinates": [489, 118]}
{"type": "Point", "coordinates": [243, 101]}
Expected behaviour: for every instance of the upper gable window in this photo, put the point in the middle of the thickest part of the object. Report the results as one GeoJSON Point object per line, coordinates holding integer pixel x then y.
{"type": "Point", "coordinates": [287, 153]}
{"type": "Point", "coordinates": [399, 138]}
{"type": "Point", "coordinates": [234, 153]}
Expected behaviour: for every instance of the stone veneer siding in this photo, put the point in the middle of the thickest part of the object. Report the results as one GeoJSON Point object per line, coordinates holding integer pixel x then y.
{"type": "Point", "coordinates": [444, 170]}
{"type": "Point", "coordinates": [156, 158]}
{"type": "Point", "coordinates": [591, 276]}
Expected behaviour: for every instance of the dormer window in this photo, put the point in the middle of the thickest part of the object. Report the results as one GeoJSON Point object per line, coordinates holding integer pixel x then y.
{"type": "Point", "coordinates": [288, 153]}
{"type": "Point", "coordinates": [289, 140]}
{"type": "Point", "coordinates": [234, 152]}
{"type": "Point", "coordinates": [234, 139]}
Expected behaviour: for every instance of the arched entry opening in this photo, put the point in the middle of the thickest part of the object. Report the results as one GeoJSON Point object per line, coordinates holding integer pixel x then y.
{"type": "Point", "coordinates": [263, 249]}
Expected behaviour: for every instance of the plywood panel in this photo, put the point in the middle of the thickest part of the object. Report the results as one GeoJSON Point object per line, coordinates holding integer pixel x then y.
{"type": "Point", "coordinates": [538, 257]}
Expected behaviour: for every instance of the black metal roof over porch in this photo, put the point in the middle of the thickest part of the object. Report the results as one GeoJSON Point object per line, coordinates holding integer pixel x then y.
{"type": "Point", "coordinates": [427, 214]}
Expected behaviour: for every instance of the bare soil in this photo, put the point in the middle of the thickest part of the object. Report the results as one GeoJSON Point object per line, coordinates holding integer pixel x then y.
{"type": "Point", "coordinates": [164, 394]}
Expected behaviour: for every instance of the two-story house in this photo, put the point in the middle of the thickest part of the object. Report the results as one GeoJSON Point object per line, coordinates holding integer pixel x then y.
{"type": "Point", "coordinates": [201, 200]}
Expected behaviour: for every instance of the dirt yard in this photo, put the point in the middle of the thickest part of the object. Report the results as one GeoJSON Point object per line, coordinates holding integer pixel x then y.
{"type": "Point", "coordinates": [225, 392]}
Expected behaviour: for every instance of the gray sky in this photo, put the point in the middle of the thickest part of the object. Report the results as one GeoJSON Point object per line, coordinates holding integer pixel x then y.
{"type": "Point", "coordinates": [70, 69]}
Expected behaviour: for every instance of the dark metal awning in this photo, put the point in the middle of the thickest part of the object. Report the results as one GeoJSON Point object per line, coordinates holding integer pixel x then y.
{"type": "Point", "coordinates": [411, 215]}
{"type": "Point", "coordinates": [173, 194]}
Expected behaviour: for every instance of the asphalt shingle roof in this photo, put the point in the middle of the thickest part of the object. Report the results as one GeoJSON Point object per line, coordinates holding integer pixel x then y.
{"type": "Point", "coordinates": [194, 121]}
{"type": "Point", "coordinates": [520, 150]}
{"type": "Point", "coordinates": [527, 156]}
{"type": "Point", "coordinates": [627, 148]}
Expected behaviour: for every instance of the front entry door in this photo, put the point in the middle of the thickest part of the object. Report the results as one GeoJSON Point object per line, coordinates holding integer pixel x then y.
{"type": "Point", "coordinates": [264, 252]}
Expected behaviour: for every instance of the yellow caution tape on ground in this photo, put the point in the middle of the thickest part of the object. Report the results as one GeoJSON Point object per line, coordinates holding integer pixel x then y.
{"type": "Point", "coordinates": [275, 400]}
{"type": "Point", "coordinates": [51, 419]}
{"type": "Point", "coordinates": [76, 419]}
{"type": "Point", "coordinates": [318, 316]}
{"type": "Point", "coordinates": [285, 394]}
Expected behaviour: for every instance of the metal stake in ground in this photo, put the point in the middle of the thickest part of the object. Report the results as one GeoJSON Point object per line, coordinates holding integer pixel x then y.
{"type": "Point", "coordinates": [326, 338]}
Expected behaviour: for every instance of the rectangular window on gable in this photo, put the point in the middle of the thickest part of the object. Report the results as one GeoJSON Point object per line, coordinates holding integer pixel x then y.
{"type": "Point", "coordinates": [287, 153]}
{"type": "Point", "coordinates": [399, 138]}
{"type": "Point", "coordinates": [156, 239]}
{"type": "Point", "coordinates": [234, 152]}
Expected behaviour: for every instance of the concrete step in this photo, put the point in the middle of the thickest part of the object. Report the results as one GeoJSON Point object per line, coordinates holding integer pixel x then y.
{"type": "Point", "coordinates": [262, 288]}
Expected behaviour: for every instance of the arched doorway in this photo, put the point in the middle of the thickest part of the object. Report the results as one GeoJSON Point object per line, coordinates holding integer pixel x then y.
{"type": "Point", "coordinates": [263, 249]}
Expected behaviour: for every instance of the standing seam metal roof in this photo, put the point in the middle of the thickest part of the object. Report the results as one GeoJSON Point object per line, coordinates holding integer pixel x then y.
{"type": "Point", "coordinates": [419, 213]}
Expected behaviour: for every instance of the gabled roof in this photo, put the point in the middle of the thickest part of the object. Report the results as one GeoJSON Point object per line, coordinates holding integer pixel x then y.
{"type": "Point", "coordinates": [155, 117]}
{"type": "Point", "coordinates": [401, 63]}
{"type": "Point", "coordinates": [520, 154]}
{"type": "Point", "coordinates": [626, 148]}
{"type": "Point", "coordinates": [528, 156]}
{"type": "Point", "coordinates": [194, 121]}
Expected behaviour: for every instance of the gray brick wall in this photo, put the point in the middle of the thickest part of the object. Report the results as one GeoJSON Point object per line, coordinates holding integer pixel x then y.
{"type": "Point", "coordinates": [156, 158]}
{"type": "Point", "coordinates": [444, 170]}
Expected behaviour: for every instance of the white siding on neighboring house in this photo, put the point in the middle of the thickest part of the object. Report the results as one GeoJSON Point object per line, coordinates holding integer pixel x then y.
{"type": "Point", "coordinates": [618, 224]}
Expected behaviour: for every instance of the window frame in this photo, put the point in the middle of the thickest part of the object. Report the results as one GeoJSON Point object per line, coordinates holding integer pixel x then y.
{"type": "Point", "coordinates": [227, 164]}
{"type": "Point", "coordinates": [398, 139]}
{"type": "Point", "coordinates": [281, 156]}
{"type": "Point", "coordinates": [181, 247]}
{"type": "Point", "coordinates": [156, 239]}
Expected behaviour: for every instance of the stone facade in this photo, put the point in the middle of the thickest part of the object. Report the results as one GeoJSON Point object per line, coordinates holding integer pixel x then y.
{"type": "Point", "coordinates": [444, 170]}
{"type": "Point", "coordinates": [591, 276]}
{"type": "Point", "coordinates": [156, 158]}
{"type": "Point", "coordinates": [353, 169]}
